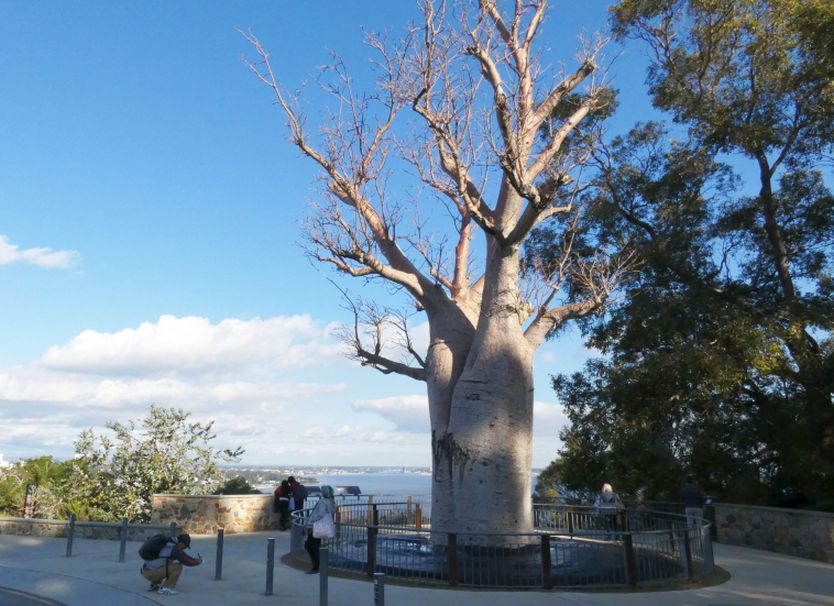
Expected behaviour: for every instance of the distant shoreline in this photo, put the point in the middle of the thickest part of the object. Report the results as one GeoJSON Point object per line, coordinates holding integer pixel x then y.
{"type": "Point", "coordinates": [331, 469]}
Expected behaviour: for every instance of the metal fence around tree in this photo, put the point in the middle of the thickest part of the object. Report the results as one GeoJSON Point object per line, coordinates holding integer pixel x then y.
{"type": "Point", "coordinates": [571, 547]}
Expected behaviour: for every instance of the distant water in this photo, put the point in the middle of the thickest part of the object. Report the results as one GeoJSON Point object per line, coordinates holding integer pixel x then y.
{"type": "Point", "coordinates": [397, 485]}
{"type": "Point", "coordinates": [388, 485]}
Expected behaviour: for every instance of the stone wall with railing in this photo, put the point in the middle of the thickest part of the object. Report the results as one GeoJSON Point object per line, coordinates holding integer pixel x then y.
{"type": "Point", "coordinates": [806, 534]}
{"type": "Point", "coordinates": [40, 527]}
{"type": "Point", "coordinates": [36, 527]}
{"type": "Point", "coordinates": [205, 514]}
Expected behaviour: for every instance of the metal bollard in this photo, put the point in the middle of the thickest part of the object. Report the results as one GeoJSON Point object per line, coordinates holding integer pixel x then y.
{"type": "Point", "coordinates": [371, 508]}
{"type": "Point", "coordinates": [452, 557]}
{"type": "Point", "coordinates": [218, 562]}
{"type": "Point", "coordinates": [547, 562]}
{"type": "Point", "coordinates": [70, 534]}
{"type": "Point", "coordinates": [686, 554]}
{"type": "Point", "coordinates": [270, 564]}
{"type": "Point", "coordinates": [379, 589]}
{"type": "Point", "coordinates": [123, 540]}
{"type": "Point", "coordinates": [324, 559]}
{"type": "Point", "coordinates": [370, 567]}
{"type": "Point", "coordinates": [630, 561]}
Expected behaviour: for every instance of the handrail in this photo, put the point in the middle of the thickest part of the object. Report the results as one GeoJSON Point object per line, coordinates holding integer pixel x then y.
{"type": "Point", "coordinates": [570, 546]}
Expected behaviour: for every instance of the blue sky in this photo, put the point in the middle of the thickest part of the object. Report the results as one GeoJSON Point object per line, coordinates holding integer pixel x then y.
{"type": "Point", "coordinates": [149, 232]}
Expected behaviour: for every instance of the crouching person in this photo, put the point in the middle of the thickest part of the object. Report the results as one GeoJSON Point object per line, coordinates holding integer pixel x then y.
{"type": "Point", "coordinates": [164, 571]}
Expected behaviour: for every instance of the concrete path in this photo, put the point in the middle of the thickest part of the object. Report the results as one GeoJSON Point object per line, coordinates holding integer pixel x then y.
{"type": "Point", "coordinates": [93, 576]}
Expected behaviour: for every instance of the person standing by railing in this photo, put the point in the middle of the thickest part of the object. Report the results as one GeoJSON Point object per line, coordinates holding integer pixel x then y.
{"type": "Point", "coordinates": [326, 507]}
{"type": "Point", "coordinates": [610, 506]}
{"type": "Point", "coordinates": [299, 493]}
{"type": "Point", "coordinates": [281, 504]}
{"type": "Point", "coordinates": [693, 502]}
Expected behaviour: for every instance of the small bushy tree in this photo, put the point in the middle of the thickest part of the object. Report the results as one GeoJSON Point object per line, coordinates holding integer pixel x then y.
{"type": "Point", "coordinates": [40, 472]}
{"type": "Point", "coordinates": [115, 475]}
{"type": "Point", "coordinates": [237, 485]}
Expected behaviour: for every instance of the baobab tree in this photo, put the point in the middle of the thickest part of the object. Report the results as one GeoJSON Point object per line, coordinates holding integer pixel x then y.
{"type": "Point", "coordinates": [497, 138]}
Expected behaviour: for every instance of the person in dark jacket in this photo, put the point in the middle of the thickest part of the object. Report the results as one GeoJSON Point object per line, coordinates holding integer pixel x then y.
{"type": "Point", "coordinates": [610, 507]}
{"type": "Point", "coordinates": [282, 504]}
{"type": "Point", "coordinates": [693, 502]}
{"type": "Point", "coordinates": [299, 493]}
{"type": "Point", "coordinates": [164, 572]}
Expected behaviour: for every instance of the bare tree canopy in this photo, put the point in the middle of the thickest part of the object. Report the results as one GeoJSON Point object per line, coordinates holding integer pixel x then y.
{"type": "Point", "coordinates": [497, 140]}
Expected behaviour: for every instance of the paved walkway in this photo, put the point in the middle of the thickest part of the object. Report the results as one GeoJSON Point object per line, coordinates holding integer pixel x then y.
{"type": "Point", "coordinates": [92, 576]}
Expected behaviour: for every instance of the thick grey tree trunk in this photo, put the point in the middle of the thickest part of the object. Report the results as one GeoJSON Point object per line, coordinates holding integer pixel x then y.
{"type": "Point", "coordinates": [482, 421]}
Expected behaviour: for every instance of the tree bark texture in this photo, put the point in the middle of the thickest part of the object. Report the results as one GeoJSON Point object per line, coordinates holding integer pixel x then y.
{"type": "Point", "coordinates": [482, 419]}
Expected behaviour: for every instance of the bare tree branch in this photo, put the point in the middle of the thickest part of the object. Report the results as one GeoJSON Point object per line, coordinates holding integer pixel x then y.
{"type": "Point", "coordinates": [369, 322]}
{"type": "Point", "coordinates": [347, 179]}
{"type": "Point", "coordinates": [546, 107]}
{"type": "Point", "coordinates": [595, 278]}
{"type": "Point", "coordinates": [534, 165]}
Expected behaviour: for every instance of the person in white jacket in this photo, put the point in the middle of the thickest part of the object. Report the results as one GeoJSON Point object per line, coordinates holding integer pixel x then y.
{"type": "Point", "coordinates": [325, 507]}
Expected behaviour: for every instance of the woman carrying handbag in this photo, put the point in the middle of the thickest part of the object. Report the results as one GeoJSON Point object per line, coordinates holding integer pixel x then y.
{"type": "Point", "coordinates": [320, 525]}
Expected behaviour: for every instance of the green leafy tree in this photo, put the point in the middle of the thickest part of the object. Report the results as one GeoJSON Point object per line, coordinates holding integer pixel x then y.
{"type": "Point", "coordinates": [115, 475]}
{"type": "Point", "coordinates": [10, 505]}
{"type": "Point", "coordinates": [42, 474]}
{"type": "Point", "coordinates": [720, 356]}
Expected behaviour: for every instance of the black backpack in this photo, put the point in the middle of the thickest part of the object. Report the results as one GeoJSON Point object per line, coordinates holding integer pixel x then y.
{"type": "Point", "coordinates": [151, 547]}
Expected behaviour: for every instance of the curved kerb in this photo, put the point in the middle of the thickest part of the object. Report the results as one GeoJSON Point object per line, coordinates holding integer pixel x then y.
{"type": "Point", "coordinates": [572, 547]}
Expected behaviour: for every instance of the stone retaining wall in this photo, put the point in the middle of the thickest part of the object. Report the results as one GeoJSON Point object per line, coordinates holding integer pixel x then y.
{"type": "Point", "coordinates": [203, 514]}
{"type": "Point", "coordinates": [806, 534]}
{"type": "Point", "coordinates": [38, 527]}
{"type": "Point", "coordinates": [207, 513]}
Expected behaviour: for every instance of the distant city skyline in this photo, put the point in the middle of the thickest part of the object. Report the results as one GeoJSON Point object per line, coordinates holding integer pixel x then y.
{"type": "Point", "coordinates": [151, 219]}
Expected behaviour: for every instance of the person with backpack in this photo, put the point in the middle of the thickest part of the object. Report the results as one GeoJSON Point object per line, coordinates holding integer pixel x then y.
{"type": "Point", "coordinates": [164, 558]}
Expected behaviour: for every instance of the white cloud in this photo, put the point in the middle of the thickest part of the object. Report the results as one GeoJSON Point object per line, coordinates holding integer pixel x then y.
{"type": "Point", "coordinates": [392, 340]}
{"type": "Point", "coordinates": [407, 413]}
{"type": "Point", "coordinates": [260, 380]}
{"type": "Point", "coordinates": [349, 433]}
{"type": "Point", "coordinates": [275, 386]}
{"type": "Point", "coordinates": [41, 257]}
{"type": "Point", "coordinates": [548, 419]}
{"type": "Point", "coordinates": [193, 345]}
{"type": "Point", "coordinates": [411, 414]}
{"type": "Point", "coordinates": [36, 385]}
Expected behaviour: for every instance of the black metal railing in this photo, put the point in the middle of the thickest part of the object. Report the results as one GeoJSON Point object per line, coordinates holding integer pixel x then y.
{"type": "Point", "coordinates": [571, 547]}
